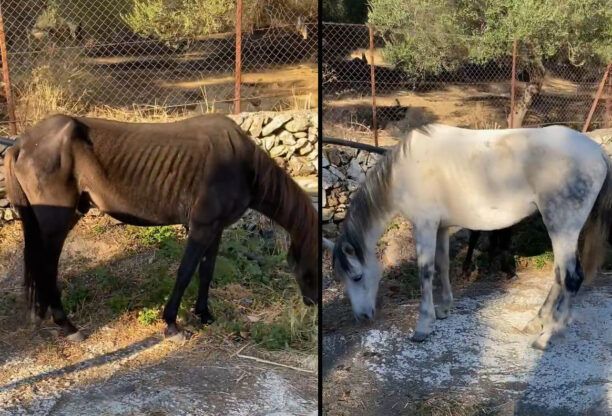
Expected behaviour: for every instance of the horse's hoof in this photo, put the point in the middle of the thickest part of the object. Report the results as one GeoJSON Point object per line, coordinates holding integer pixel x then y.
{"type": "Point", "coordinates": [533, 327]}
{"type": "Point", "coordinates": [442, 312]}
{"type": "Point", "coordinates": [207, 318]}
{"type": "Point", "coordinates": [76, 337]}
{"type": "Point", "coordinates": [179, 337]}
{"type": "Point", "coordinates": [419, 337]}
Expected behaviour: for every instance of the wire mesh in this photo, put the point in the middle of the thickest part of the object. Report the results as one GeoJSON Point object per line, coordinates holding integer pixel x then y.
{"type": "Point", "coordinates": [79, 54]}
{"type": "Point", "coordinates": [469, 95]}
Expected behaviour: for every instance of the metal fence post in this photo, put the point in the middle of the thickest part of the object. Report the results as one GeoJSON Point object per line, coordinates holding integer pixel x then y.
{"type": "Point", "coordinates": [238, 70]}
{"type": "Point", "coordinates": [373, 82]}
{"type": "Point", "coordinates": [597, 97]}
{"type": "Point", "coordinates": [608, 121]}
{"type": "Point", "coordinates": [6, 78]}
{"type": "Point", "coordinates": [512, 85]}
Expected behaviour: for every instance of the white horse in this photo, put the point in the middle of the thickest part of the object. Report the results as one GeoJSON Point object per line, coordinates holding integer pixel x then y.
{"type": "Point", "coordinates": [440, 176]}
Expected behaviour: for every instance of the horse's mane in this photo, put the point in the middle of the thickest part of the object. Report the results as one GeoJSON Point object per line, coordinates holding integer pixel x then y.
{"type": "Point", "coordinates": [373, 198]}
{"type": "Point", "coordinates": [279, 197]}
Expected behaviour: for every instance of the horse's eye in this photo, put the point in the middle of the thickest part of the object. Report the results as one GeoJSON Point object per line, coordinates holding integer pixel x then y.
{"type": "Point", "coordinates": [357, 277]}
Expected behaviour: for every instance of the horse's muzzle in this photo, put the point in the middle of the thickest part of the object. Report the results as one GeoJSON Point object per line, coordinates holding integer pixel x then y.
{"type": "Point", "coordinates": [309, 301]}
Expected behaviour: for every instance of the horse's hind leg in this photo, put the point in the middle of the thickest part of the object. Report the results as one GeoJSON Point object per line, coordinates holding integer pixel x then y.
{"type": "Point", "coordinates": [564, 223]}
{"type": "Point", "coordinates": [55, 223]}
{"type": "Point", "coordinates": [425, 234]}
{"type": "Point", "coordinates": [207, 267]}
{"type": "Point", "coordinates": [442, 260]}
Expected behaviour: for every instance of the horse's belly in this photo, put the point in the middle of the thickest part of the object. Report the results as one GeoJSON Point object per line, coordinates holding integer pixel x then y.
{"type": "Point", "coordinates": [491, 216]}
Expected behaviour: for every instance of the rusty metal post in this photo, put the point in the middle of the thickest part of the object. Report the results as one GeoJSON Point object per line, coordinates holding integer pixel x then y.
{"type": "Point", "coordinates": [373, 82]}
{"type": "Point", "coordinates": [608, 122]}
{"type": "Point", "coordinates": [597, 97]}
{"type": "Point", "coordinates": [512, 85]}
{"type": "Point", "coordinates": [238, 70]}
{"type": "Point", "coordinates": [7, 80]}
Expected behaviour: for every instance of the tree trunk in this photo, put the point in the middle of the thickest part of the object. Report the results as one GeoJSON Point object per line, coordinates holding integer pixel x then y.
{"type": "Point", "coordinates": [536, 73]}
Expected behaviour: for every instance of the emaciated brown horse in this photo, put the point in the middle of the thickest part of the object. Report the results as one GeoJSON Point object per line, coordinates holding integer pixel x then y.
{"type": "Point", "coordinates": [203, 172]}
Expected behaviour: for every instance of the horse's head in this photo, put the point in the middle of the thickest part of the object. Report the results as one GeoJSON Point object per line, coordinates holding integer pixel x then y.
{"type": "Point", "coordinates": [357, 266]}
{"type": "Point", "coordinates": [305, 265]}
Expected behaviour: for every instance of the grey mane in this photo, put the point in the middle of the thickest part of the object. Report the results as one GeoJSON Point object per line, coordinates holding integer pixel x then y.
{"type": "Point", "coordinates": [372, 200]}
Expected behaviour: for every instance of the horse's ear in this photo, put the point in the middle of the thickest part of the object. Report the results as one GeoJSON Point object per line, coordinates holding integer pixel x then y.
{"type": "Point", "coordinates": [328, 244]}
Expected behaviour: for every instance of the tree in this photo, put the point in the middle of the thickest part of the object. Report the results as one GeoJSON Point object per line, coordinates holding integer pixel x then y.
{"type": "Point", "coordinates": [429, 36]}
{"type": "Point", "coordinates": [177, 20]}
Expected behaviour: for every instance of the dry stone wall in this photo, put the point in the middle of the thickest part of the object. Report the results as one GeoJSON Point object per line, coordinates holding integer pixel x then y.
{"type": "Point", "coordinates": [290, 138]}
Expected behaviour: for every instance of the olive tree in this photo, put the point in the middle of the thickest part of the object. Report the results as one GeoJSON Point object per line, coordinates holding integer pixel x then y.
{"type": "Point", "coordinates": [429, 36]}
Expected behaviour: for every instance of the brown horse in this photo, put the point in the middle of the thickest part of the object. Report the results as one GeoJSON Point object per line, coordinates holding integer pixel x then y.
{"type": "Point", "coordinates": [203, 172]}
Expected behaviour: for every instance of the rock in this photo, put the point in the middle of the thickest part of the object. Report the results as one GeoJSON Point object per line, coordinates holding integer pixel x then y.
{"type": "Point", "coordinates": [236, 118]}
{"type": "Point", "coordinates": [300, 143]}
{"type": "Point", "coordinates": [257, 142]}
{"type": "Point", "coordinates": [327, 214]}
{"type": "Point", "coordinates": [290, 152]}
{"type": "Point", "coordinates": [306, 149]}
{"type": "Point", "coordinates": [324, 196]}
{"type": "Point", "coordinates": [276, 123]}
{"type": "Point", "coordinates": [268, 143]}
{"type": "Point", "coordinates": [362, 157]}
{"type": "Point", "coordinates": [330, 229]}
{"type": "Point", "coordinates": [286, 138]}
{"type": "Point", "coordinates": [333, 155]}
{"type": "Point", "coordinates": [246, 124]}
{"type": "Point", "coordinates": [372, 159]}
{"type": "Point", "coordinates": [4, 203]}
{"type": "Point", "coordinates": [278, 151]}
{"type": "Point", "coordinates": [313, 134]}
{"type": "Point", "coordinates": [347, 155]}
{"type": "Point", "coordinates": [256, 125]}
{"type": "Point", "coordinates": [352, 185]}
{"type": "Point", "coordinates": [324, 161]}
{"type": "Point", "coordinates": [281, 162]}
{"type": "Point", "coordinates": [355, 171]}
{"type": "Point", "coordinates": [340, 215]}
{"type": "Point", "coordinates": [300, 134]}
{"type": "Point", "coordinates": [343, 198]}
{"type": "Point", "coordinates": [337, 172]}
{"type": "Point", "coordinates": [8, 215]}
{"type": "Point", "coordinates": [328, 178]}
{"type": "Point", "coordinates": [314, 156]}
{"type": "Point", "coordinates": [300, 122]}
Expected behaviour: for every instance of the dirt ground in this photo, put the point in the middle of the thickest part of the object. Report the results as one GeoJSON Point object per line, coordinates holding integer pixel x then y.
{"type": "Point", "coordinates": [124, 366]}
{"type": "Point", "coordinates": [478, 361]}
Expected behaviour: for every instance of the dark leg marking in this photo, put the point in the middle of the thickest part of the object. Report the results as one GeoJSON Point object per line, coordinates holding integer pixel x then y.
{"type": "Point", "coordinates": [207, 267]}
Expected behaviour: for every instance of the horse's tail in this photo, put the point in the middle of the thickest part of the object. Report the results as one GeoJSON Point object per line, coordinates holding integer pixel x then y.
{"type": "Point", "coordinates": [597, 230]}
{"type": "Point", "coordinates": [29, 223]}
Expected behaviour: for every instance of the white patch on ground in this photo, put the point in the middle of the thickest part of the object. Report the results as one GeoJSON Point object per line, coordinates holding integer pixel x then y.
{"type": "Point", "coordinates": [275, 397]}
{"type": "Point", "coordinates": [480, 349]}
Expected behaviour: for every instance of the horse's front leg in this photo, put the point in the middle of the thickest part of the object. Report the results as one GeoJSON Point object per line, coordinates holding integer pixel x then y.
{"type": "Point", "coordinates": [426, 251]}
{"type": "Point", "coordinates": [206, 271]}
{"type": "Point", "coordinates": [443, 310]}
{"type": "Point", "coordinates": [200, 238]}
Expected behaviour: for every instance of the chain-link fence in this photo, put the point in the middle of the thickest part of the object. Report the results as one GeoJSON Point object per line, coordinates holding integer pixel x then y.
{"type": "Point", "coordinates": [73, 55]}
{"type": "Point", "coordinates": [477, 96]}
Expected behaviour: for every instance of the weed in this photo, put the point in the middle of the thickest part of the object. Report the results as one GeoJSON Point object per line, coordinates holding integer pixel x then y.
{"type": "Point", "coordinates": [148, 316]}
{"type": "Point", "coordinates": [76, 296]}
{"type": "Point", "coordinates": [542, 260]}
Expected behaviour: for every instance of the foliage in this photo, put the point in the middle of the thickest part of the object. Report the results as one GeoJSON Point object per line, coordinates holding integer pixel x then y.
{"type": "Point", "coordinates": [148, 316]}
{"type": "Point", "coordinates": [166, 20]}
{"type": "Point", "coordinates": [345, 11]}
{"type": "Point", "coordinates": [436, 35]}
{"type": "Point", "coordinates": [189, 19]}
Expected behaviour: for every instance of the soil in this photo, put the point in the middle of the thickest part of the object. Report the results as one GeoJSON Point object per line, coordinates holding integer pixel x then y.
{"type": "Point", "coordinates": [477, 361]}
{"type": "Point", "coordinates": [127, 368]}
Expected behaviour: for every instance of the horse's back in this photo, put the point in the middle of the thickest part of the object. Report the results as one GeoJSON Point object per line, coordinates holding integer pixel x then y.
{"type": "Point", "coordinates": [488, 179]}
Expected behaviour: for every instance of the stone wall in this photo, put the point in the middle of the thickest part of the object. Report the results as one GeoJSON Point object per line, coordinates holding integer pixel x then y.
{"type": "Point", "coordinates": [344, 168]}
{"type": "Point", "coordinates": [290, 138]}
